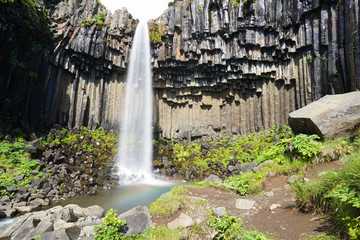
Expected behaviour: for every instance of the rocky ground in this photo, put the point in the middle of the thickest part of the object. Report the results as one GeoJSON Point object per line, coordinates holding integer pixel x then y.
{"type": "Point", "coordinates": [272, 212]}
{"type": "Point", "coordinates": [68, 170]}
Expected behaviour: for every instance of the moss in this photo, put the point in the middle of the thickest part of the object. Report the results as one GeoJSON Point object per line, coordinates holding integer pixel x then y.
{"type": "Point", "coordinates": [155, 34]}
{"type": "Point", "coordinates": [163, 233]}
{"type": "Point", "coordinates": [167, 205]}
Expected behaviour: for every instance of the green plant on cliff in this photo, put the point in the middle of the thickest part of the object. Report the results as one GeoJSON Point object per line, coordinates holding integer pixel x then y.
{"type": "Point", "coordinates": [99, 20]}
{"type": "Point", "coordinates": [173, 2]}
{"type": "Point", "coordinates": [155, 33]}
{"type": "Point", "coordinates": [235, 3]}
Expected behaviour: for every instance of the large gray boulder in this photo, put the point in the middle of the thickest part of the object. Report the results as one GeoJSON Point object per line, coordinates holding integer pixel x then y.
{"type": "Point", "coordinates": [137, 220]}
{"type": "Point", "coordinates": [331, 116]}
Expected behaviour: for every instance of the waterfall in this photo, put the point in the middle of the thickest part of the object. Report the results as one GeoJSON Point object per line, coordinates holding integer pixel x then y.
{"type": "Point", "coordinates": [134, 161]}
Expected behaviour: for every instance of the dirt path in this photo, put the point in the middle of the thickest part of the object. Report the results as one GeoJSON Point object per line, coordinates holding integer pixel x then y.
{"type": "Point", "coordinates": [283, 221]}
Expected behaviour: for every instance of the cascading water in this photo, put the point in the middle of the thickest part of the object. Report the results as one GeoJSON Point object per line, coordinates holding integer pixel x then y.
{"type": "Point", "coordinates": [134, 161]}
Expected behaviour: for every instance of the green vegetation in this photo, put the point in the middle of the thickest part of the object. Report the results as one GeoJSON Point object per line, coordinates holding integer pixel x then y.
{"type": "Point", "coordinates": [246, 183]}
{"type": "Point", "coordinates": [98, 142]}
{"type": "Point", "coordinates": [324, 236]}
{"type": "Point", "coordinates": [235, 3]}
{"type": "Point", "coordinates": [168, 205]}
{"type": "Point", "coordinates": [336, 193]}
{"type": "Point", "coordinates": [210, 156]}
{"type": "Point", "coordinates": [162, 233]}
{"type": "Point", "coordinates": [14, 161]}
{"type": "Point", "coordinates": [310, 59]}
{"type": "Point", "coordinates": [27, 17]}
{"type": "Point", "coordinates": [246, 3]}
{"type": "Point", "coordinates": [99, 20]}
{"type": "Point", "coordinates": [111, 227]}
{"type": "Point", "coordinates": [155, 33]}
{"type": "Point", "coordinates": [16, 63]}
{"type": "Point", "coordinates": [229, 227]}
{"type": "Point", "coordinates": [173, 2]}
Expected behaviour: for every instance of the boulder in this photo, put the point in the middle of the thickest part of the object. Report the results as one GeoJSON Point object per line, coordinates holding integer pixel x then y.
{"type": "Point", "coordinates": [219, 211]}
{"type": "Point", "coordinates": [85, 212]}
{"type": "Point", "coordinates": [27, 209]}
{"type": "Point", "coordinates": [182, 221]}
{"type": "Point", "coordinates": [55, 223]}
{"type": "Point", "coordinates": [247, 167]}
{"type": "Point", "coordinates": [137, 219]}
{"type": "Point", "coordinates": [46, 225]}
{"type": "Point", "coordinates": [331, 116]}
{"type": "Point", "coordinates": [244, 204]}
{"type": "Point", "coordinates": [213, 179]}
{"type": "Point", "coordinates": [61, 235]}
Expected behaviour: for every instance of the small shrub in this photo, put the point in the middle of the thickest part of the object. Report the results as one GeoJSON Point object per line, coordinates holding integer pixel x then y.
{"type": "Point", "coordinates": [111, 227]}
{"type": "Point", "coordinates": [306, 146]}
{"type": "Point", "coordinates": [336, 193]}
{"type": "Point", "coordinates": [246, 183]}
{"type": "Point", "coordinates": [229, 227]}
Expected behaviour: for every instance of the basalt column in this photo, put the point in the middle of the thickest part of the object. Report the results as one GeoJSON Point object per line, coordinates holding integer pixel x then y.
{"type": "Point", "coordinates": [225, 66]}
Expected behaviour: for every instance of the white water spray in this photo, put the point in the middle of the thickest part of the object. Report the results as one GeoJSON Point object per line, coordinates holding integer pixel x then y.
{"type": "Point", "coordinates": [134, 161]}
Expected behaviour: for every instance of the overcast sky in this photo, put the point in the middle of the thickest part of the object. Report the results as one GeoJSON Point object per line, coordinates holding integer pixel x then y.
{"type": "Point", "coordinates": [140, 9]}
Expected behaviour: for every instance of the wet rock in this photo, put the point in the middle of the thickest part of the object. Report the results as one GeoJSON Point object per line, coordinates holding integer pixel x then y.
{"type": "Point", "coordinates": [2, 213]}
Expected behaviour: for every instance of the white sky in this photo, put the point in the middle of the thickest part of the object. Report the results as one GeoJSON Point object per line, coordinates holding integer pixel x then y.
{"type": "Point", "coordinates": [139, 9]}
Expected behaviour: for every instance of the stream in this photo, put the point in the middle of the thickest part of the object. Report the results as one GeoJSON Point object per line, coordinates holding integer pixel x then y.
{"type": "Point", "coordinates": [122, 198]}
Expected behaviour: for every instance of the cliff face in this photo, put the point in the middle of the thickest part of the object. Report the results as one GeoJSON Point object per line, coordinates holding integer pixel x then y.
{"type": "Point", "coordinates": [228, 66]}
{"type": "Point", "coordinates": [240, 66]}
{"type": "Point", "coordinates": [73, 77]}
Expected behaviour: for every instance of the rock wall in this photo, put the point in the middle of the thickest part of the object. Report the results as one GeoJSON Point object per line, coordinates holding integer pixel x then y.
{"type": "Point", "coordinates": [76, 77]}
{"type": "Point", "coordinates": [229, 66]}
{"type": "Point", "coordinates": [241, 66]}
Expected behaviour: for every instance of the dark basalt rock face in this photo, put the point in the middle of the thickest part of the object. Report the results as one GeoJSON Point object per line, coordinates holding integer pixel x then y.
{"type": "Point", "coordinates": [72, 77]}
{"type": "Point", "coordinates": [219, 66]}
{"type": "Point", "coordinates": [237, 69]}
